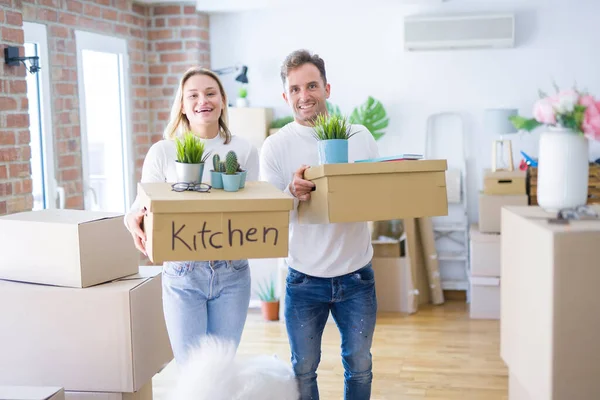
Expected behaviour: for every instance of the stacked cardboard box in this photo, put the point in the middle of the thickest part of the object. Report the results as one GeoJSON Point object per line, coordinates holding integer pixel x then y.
{"type": "Point", "coordinates": [593, 184]}
{"type": "Point", "coordinates": [77, 310]}
{"type": "Point", "coordinates": [501, 188]}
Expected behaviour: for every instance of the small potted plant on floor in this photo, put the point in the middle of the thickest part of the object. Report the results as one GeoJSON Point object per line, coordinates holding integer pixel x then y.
{"type": "Point", "coordinates": [332, 133]}
{"type": "Point", "coordinates": [190, 158]}
{"type": "Point", "coordinates": [269, 302]}
{"type": "Point", "coordinates": [231, 177]}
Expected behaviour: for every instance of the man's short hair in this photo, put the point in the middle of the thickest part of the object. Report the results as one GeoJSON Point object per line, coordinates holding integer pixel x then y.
{"type": "Point", "coordinates": [299, 58]}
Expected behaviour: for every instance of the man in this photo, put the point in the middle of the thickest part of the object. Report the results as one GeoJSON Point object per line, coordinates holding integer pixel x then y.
{"type": "Point", "coordinates": [330, 264]}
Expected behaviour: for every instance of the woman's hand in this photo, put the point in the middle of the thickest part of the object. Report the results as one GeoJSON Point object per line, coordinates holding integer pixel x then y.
{"type": "Point", "coordinates": [134, 224]}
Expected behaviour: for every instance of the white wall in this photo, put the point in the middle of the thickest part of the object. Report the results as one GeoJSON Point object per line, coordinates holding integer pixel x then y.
{"type": "Point", "coordinates": [363, 50]}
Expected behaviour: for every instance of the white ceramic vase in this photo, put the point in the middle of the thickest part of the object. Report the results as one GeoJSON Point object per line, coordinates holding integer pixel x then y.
{"type": "Point", "coordinates": [563, 168]}
{"type": "Point", "coordinates": [241, 102]}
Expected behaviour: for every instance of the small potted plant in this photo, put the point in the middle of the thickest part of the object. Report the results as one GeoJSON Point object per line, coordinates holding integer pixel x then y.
{"type": "Point", "coordinates": [242, 99]}
{"type": "Point", "coordinates": [216, 174]}
{"type": "Point", "coordinates": [191, 157]}
{"type": "Point", "coordinates": [231, 177]}
{"type": "Point", "coordinates": [269, 302]}
{"type": "Point", "coordinates": [332, 133]}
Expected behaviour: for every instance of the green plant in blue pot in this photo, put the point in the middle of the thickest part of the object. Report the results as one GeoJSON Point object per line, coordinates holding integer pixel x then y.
{"type": "Point", "coordinates": [332, 133]}
{"type": "Point", "coordinates": [216, 174]}
{"type": "Point", "coordinates": [231, 177]}
{"type": "Point", "coordinates": [191, 157]}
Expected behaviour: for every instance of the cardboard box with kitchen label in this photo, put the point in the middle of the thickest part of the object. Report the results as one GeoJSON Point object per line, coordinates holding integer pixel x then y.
{"type": "Point", "coordinates": [215, 225]}
{"type": "Point", "coordinates": [375, 191]}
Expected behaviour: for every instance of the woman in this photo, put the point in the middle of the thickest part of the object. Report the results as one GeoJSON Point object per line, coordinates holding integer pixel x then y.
{"type": "Point", "coordinates": [199, 297]}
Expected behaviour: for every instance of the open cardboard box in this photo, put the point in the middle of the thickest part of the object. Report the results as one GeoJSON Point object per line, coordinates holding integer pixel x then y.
{"type": "Point", "coordinates": [219, 225]}
{"type": "Point", "coordinates": [72, 248]}
{"type": "Point", "coordinates": [106, 338]}
{"type": "Point", "coordinates": [375, 191]}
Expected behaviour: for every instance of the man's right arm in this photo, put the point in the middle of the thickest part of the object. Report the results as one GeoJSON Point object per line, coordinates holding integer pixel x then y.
{"type": "Point", "coordinates": [271, 170]}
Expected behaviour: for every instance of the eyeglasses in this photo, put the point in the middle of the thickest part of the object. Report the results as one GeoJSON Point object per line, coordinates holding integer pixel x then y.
{"type": "Point", "coordinates": [194, 187]}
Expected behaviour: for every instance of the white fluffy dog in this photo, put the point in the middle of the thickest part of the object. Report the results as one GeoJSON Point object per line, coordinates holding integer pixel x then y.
{"type": "Point", "coordinates": [214, 372]}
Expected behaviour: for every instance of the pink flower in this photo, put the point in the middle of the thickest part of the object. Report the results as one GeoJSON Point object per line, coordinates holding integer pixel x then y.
{"type": "Point", "coordinates": [543, 111]}
{"type": "Point", "coordinates": [591, 117]}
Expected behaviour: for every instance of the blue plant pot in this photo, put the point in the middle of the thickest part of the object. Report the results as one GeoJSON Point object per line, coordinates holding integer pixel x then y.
{"type": "Point", "coordinates": [216, 179]}
{"type": "Point", "coordinates": [333, 151]}
{"type": "Point", "coordinates": [243, 179]}
{"type": "Point", "coordinates": [231, 183]}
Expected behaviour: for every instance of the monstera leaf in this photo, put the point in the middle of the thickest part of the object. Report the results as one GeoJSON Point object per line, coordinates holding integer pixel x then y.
{"type": "Point", "coordinates": [372, 115]}
{"type": "Point", "coordinates": [332, 109]}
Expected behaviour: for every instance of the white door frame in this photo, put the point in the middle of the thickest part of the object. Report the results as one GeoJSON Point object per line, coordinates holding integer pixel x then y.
{"type": "Point", "coordinates": [107, 44]}
{"type": "Point", "coordinates": [36, 33]}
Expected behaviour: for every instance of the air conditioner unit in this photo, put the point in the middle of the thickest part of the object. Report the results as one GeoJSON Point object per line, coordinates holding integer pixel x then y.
{"type": "Point", "coordinates": [468, 31]}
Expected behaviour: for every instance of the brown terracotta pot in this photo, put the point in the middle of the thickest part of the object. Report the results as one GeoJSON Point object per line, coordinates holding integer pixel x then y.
{"type": "Point", "coordinates": [270, 310]}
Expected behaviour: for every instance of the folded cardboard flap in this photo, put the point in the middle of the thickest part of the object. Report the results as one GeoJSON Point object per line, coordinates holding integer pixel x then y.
{"type": "Point", "coordinates": [61, 216]}
{"type": "Point", "coordinates": [255, 197]}
{"type": "Point", "coordinates": [31, 393]}
{"type": "Point", "coordinates": [319, 171]}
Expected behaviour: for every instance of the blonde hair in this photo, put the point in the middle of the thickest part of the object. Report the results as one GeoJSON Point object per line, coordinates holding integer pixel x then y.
{"type": "Point", "coordinates": [178, 122]}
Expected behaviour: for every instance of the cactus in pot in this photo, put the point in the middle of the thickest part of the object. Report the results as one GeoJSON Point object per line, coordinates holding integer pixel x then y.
{"type": "Point", "coordinates": [231, 177]}
{"type": "Point", "coordinates": [216, 176]}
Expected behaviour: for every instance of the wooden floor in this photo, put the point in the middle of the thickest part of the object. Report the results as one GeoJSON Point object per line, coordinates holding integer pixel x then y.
{"type": "Point", "coordinates": [438, 353]}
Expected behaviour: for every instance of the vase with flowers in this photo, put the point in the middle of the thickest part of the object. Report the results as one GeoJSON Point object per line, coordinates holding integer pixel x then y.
{"type": "Point", "coordinates": [571, 118]}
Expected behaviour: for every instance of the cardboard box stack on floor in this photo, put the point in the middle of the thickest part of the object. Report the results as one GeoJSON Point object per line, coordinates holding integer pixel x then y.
{"type": "Point", "coordinates": [77, 310]}
{"type": "Point", "coordinates": [500, 188]}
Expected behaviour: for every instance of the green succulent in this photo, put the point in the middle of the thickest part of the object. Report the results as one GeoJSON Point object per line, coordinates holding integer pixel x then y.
{"type": "Point", "coordinates": [190, 149]}
{"type": "Point", "coordinates": [231, 163]}
{"type": "Point", "coordinates": [372, 115]}
{"type": "Point", "coordinates": [327, 127]}
{"type": "Point", "coordinates": [242, 92]}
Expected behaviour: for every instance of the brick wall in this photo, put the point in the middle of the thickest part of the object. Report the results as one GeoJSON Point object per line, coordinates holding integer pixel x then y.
{"type": "Point", "coordinates": [163, 41]}
{"type": "Point", "coordinates": [15, 175]}
{"type": "Point", "coordinates": [177, 39]}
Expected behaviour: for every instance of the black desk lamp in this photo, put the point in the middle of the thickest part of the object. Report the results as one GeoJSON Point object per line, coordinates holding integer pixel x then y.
{"type": "Point", "coordinates": [242, 77]}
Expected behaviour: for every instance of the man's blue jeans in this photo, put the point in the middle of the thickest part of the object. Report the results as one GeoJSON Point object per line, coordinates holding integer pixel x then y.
{"type": "Point", "coordinates": [353, 305]}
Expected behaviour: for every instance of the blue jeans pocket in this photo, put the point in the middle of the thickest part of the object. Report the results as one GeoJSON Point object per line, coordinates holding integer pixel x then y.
{"type": "Point", "coordinates": [295, 278]}
{"type": "Point", "coordinates": [239, 265]}
{"type": "Point", "coordinates": [178, 268]}
{"type": "Point", "coordinates": [365, 275]}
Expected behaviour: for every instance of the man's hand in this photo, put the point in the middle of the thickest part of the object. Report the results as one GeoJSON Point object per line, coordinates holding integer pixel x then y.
{"type": "Point", "coordinates": [300, 187]}
{"type": "Point", "coordinates": [134, 223]}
